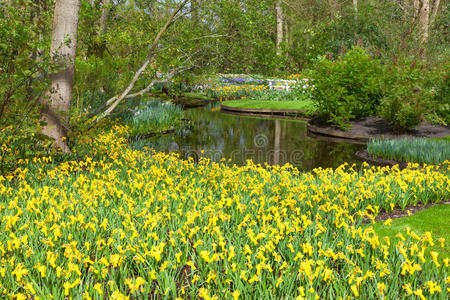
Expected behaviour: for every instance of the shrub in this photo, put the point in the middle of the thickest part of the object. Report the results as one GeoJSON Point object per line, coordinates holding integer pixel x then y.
{"type": "Point", "coordinates": [348, 88]}
{"type": "Point", "coordinates": [402, 109]}
{"type": "Point", "coordinates": [442, 100]}
{"type": "Point", "coordinates": [407, 94]}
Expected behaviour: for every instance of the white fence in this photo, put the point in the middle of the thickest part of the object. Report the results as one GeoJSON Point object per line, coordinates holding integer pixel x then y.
{"type": "Point", "coordinates": [285, 85]}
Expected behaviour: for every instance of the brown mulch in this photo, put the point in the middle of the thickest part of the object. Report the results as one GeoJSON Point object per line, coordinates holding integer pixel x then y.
{"type": "Point", "coordinates": [375, 127]}
{"type": "Point", "coordinates": [412, 209]}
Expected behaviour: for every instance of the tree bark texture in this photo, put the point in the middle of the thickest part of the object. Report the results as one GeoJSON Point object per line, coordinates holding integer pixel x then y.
{"type": "Point", "coordinates": [424, 16]}
{"type": "Point", "coordinates": [56, 103]}
{"type": "Point", "coordinates": [279, 14]}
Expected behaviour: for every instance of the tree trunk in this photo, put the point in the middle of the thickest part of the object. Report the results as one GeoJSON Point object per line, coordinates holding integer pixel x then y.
{"type": "Point", "coordinates": [434, 10]}
{"type": "Point", "coordinates": [424, 16]}
{"type": "Point", "coordinates": [104, 17]}
{"type": "Point", "coordinates": [279, 13]}
{"type": "Point", "coordinates": [286, 29]}
{"type": "Point", "coordinates": [56, 103]}
{"type": "Point", "coordinates": [416, 4]}
{"type": "Point", "coordinates": [355, 5]}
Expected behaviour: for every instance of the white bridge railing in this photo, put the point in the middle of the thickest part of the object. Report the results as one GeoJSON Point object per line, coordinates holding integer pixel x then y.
{"type": "Point", "coordinates": [285, 85]}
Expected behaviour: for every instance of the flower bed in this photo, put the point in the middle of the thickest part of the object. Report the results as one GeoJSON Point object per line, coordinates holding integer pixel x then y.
{"type": "Point", "coordinates": [139, 225]}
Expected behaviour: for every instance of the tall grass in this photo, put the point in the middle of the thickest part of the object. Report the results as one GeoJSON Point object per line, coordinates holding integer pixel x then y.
{"type": "Point", "coordinates": [419, 150]}
{"type": "Point", "coordinates": [154, 116]}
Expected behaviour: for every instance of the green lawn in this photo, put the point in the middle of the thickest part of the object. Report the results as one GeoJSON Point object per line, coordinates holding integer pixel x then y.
{"type": "Point", "coordinates": [447, 138]}
{"type": "Point", "coordinates": [435, 219]}
{"type": "Point", "coordinates": [267, 104]}
{"type": "Point", "coordinates": [197, 96]}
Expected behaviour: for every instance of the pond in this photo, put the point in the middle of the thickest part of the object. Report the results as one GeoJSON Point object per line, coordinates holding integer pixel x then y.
{"type": "Point", "coordinates": [216, 135]}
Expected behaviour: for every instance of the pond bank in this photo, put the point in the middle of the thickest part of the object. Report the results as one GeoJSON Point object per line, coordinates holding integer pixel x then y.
{"type": "Point", "coordinates": [374, 127]}
{"type": "Point", "coordinates": [292, 113]}
{"type": "Point", "coordinates": [237, 139]}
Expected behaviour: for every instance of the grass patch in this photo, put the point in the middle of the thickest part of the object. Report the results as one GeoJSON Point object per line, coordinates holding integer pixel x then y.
{"type": "Point", "coordinates": [445, 138]}
{"type": "Point", "coordinates": [435, 219]}
{"type": "Point", "coordinates": [422, 150]}
{"type": "Point", "coordinates": [198, 96]}
{"type": "Point", "coordinates": [268, 104]}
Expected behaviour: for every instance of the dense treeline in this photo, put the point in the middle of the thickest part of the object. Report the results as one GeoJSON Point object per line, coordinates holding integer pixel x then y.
{"type": "Point", "coordinates": [269, 37]}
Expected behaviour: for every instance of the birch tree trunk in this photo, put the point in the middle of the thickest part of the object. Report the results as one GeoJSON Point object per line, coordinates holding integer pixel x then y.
{"type": "Point", "coordinates": [434, 10]}
{"type": "Point", "coordinates": [424, 16]}
{"type": "Point", "coordinates": [279, 13]}
{"type": "Point", "coordinates": [56, 103]}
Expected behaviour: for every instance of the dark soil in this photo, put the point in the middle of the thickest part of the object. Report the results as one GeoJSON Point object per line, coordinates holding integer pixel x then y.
{"type": "Point", "coordinates": [375, 127]}
{"type": "Point", "coordinates": [374, 160]}
{"type": "Point", "coordinates": [149, 135]}
{"type": "Point", "coordinates": [412, 209]}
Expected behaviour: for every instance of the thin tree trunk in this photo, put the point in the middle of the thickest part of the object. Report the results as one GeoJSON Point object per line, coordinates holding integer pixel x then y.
{"type": "Point", "coordinates": [434, 11]}
{"type": "Point", "coordinates": [424, 17]}
{"type": "Point", "coordinates": [104, 17]}
{"type": "Point", "coordinates": [286, 28]}
{"type": "Point", "coordinates": [56, 103]}
{"type": "Point", "coordinates": [355, 5]}
{"type": "Point", "coordinates": [416, 7]}
{"type": "Point", "coordinates": [279, 13]}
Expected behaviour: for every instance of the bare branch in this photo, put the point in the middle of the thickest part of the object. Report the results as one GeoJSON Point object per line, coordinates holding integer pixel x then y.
{"type": "Point", "coordinates": [117, 99]}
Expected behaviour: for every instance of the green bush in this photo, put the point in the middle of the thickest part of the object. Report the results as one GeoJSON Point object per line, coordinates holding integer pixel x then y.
{"type": "Point", "coordinates": [442, 100]}
{"type": "Point", "coordinates": [422, 150]}
{"type": "Point", "coordinates": [348, 88]}
{"type": "Point", "coordinates": [403, 109]}
{"type": "Point", "coordinates": [407, 94]}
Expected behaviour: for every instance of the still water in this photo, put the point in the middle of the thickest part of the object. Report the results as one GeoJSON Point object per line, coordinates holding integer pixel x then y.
{"type": "Point", "coordinates": [216, 135]}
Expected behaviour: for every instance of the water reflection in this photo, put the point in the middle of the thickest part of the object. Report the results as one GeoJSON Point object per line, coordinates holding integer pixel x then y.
{"type": "Point", "coordinates": [219, 136]}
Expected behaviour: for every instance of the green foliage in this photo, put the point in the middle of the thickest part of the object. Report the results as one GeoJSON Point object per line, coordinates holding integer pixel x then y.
{"type": "Point", "coordinates": [411, 94]}
{"type": "Point", "coordinates": [424, 151]}
{"type": "Point", "coordinates": [21, 144]}
{"type": "Point", "coordinates": [24, 69]}
{"type": "Point", "coordinates": [442, 99]}
{"type": "Point", "coordinates": [348, 88]}
{"type": "Point", "coordinates": [153, 116]}
{"type": "Point", "coordinates": [24, 66]}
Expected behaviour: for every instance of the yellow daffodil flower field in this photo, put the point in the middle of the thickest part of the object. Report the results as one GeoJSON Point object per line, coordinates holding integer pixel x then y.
{"type": "Point", "coordinates": [128, 224]}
